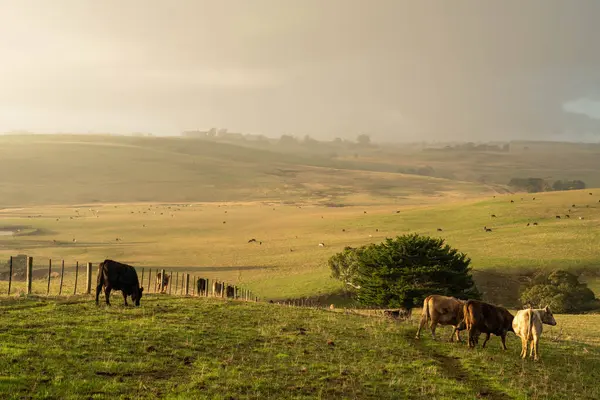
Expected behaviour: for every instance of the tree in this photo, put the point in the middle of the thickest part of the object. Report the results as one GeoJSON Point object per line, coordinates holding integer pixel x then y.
{"type": "Point", "coordinates": [288, 140]}
{"type": "Point", "coordinates": [363, 140]}
{"type": "Point", "coordinates": [561, 291]}
{"type": "Point", "coordinates": [344, 266]}
{"type": "Point", "coordinates": [401, 272]}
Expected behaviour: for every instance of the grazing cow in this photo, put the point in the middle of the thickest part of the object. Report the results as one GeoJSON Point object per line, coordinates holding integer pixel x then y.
{"type": "Point", "coordinates": [486, 318]}
{"type": "Point", "coordinates": [568, 216]}
{"type": "Point", "coordinates": [162, 281]}
{"type": "Point", "coordinates": [321, 244]}
{"type": "Point", "coordinates": [535, 224]}
{"type": "Point", "coordinates": [230, 291]}
{"type": "Point", "coordinates": [113, 275]}
{"type": "Point", "coordinates": [487, 229]}
{"type": "Point", "coordinates": [439, 229]}
{"type": "Point", "coordinates": [528, 325]}
{"type": "Point", "coordinates": [493, 215]}
{"type": "Point", "coordinates": [512, 201]}
{"type": "Point", "coordinates": [442, 310]}
{"type": "Point", "coordinates": [558, 217]}
{"type": "Point", "coordinates": [201, 285]}
{"type": "Point", "coordinates": [252, 240]}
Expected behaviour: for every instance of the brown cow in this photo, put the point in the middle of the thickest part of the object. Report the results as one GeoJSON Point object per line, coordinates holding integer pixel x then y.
{"type": "Point", "coordinates": [442, 310]}
{"type": "Point", "coordinates": [486, 318]}
{"type": "Point", "coordinates": [162, 282]}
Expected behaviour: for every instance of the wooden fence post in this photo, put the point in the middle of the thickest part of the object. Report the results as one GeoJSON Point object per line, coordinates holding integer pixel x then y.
{"type": "Point", "coordinates": [62, 275]}
{"type": "Point", "coordinates": [149, 276]}
{"type": "Point", "coordinates": [10, 262]}
{"type": "Point", "coordinates": [170, 281]}
{"type": "Point", "coordinates": [162, 279]}
{"type": "Point", "coordinates": [176, 282]}
{"type": "Point", "coordinates": [187, 284]}
{"type": "Point", "coordinates": [142, 280]}
{"type": "Point", "coordinates": [88, 288]}
{"type": "Point", "coordinates": [192, 285]}
{"type": "Point", "coordinates": [76, 276]}
{"type": "Point", "coordinates": [49, 274]}
{"type": "Point", "coordinates": [29, 275]}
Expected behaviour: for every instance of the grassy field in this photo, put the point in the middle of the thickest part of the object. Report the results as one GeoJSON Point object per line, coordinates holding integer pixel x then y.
{"type": "Point", "coordinates": [177, 348]}
{"type": "Point", "coordinates": [211, 239]}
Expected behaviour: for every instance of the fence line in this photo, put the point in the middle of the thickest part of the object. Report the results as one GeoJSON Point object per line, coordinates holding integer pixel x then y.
{"type": "Point", "coordinates": [200, 287]}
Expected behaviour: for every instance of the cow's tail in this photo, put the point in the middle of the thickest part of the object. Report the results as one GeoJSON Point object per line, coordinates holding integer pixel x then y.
{"type": "Point", "coordinates": [530, 325]}
{"type": "Point", "coordinates": [425, 314]}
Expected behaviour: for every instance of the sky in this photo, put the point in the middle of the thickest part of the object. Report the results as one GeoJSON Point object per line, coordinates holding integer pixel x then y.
{"type": "Point", "coordinates": [395, 69]}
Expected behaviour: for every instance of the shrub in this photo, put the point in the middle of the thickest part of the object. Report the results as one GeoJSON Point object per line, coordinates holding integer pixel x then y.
{"type": "Point", "coordinates": [561, 291]}
{"type": "Point", "coordinates": [401, 272]}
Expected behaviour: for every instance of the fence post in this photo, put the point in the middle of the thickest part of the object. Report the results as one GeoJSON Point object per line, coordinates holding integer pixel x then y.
{"type": "Point", "coordinates": [223, 289]}
{"type": "Point", "coordinates": [88, 289]}
{"type": "Point", "coordinates": [206, 287]}
{"type": "Point", "coordinates": [170, 281]}
{"type": "Point", "coordinates": [76, 276]}
{"type": "Point", "coordinates": [187, 284]}
{"type": "Point", "coordinates": [193, 285]}
{"type": "Point", "coordinates": [29, 273]}
{"type": "Point", "coordinates": [10, 262]}
{"type": "Point", "coordinates": [142, 280]}
{"type": "Point", "coordinates": [62, 275]}
{"type": "Point", "coordinates": [49, 273]}
{"type": "Point", "coordinates": [149, 276]}
{"type": "Point", "coordinates": [162, 279]}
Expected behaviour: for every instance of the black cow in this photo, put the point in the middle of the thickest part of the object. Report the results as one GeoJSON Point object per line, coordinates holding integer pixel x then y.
{"type": "Point", "coordinates": [113, 275]}
{"type": "Point", "coordinates": [486, 318]}
{"type": "Point", "coordinates": [230, 291]}
{"type": "Point", "coordinates": [201, 285]}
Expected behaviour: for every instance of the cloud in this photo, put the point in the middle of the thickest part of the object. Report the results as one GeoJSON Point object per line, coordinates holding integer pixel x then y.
{"type": "Point", "coordinates": [465, 69]}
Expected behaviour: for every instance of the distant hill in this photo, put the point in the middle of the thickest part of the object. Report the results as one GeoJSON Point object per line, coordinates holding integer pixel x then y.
{"type": "Point", "coordinates": [74, 169]}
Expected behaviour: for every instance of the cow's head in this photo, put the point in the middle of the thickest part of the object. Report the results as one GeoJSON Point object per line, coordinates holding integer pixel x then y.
{"type": "Point", "coordinates": [136, 296]}
{"type": "Point", "coordinates": [547, 317]}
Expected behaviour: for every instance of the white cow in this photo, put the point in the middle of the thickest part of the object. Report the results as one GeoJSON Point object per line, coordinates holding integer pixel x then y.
{"type": "Point", "coordinates": [528, 325]}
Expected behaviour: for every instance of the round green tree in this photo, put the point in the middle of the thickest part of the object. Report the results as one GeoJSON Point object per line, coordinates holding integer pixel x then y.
{"type": "Point", "coordinates": [401, 272]}
{"type": "Point", "coordinates": [561, 291]}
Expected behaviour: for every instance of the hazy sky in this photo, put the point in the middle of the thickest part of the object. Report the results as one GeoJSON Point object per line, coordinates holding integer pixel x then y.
{"type": "Point", "coordinates": [405, 69]}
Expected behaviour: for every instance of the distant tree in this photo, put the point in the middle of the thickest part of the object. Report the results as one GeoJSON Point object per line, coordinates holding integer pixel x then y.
{"type": "Point", "coordinates": [561, 291]}
{"type": "Point", "coordinates": [401, 272]}
{"type": "Point", "coordinates": [288, 140]}
{"type": "Point", "coordinates": [568, 185]}
{"type": "Point", "coordinates": [363, 140]}
{"type": "Point", "coordinates": [531, 185]}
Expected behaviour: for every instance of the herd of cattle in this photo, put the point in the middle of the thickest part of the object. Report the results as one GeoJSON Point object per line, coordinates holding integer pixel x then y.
{"type": "Point", "coordinates": [474, 316]}
{"type": "Point", "coordinates": [477, 317]}
{"type": "Point", "coordinates": [113, 275]}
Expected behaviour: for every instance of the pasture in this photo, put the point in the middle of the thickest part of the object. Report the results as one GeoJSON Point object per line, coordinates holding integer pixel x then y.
{"type": "Point", "coordinates": [178, 348]}
{"type": "Point", "coordinates": [211, 239]}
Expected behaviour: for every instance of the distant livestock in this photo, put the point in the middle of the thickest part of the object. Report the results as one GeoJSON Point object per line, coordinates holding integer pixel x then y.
{"type": "Point", "coordinates": [252, 240]}
{"type": "Point", "coordinates": [528, 325]}
{"type": "Point", "coordinates": [113, 275]}
{"type": "Point", "coordinates": [487, 229]}
{"type": "Point", "coordinates": [321, 244]}
{"type": "Point", "coordinates": [493, 215]}
{"type": "Point", "coordinates": [480, 317]}
{"type": "Point", "coordinates": [162, 282]}
{"type": "Point", "coordinates": [558, 217]}
{"type": "Point", "coordinates": [439, 229]}
{"type": "Point", "coordinates": [442, 310]}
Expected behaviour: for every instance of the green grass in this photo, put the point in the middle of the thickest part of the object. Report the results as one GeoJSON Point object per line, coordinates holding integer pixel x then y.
{"type": "Point", "coordinates": [178, 348]}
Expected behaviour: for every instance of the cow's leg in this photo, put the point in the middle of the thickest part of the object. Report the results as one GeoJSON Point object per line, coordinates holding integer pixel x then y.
{"type": "Point", "coordinates": [471, 338]}
{"type": "Point", "coordinates": [433, 326]}
{"type": "Point", "coordinates": [487, 337]}
{"type": "Point", "coordinates": [523, 347]}
{"type": "Point", "coordinates": [421, 325]}
{"type": "Point", "coordinates": [503, 338]}
{"type": "Point", "coordinates": [125, 299]}
{"type": "Point", "coordinates": [107, 290]}
{"type": "Point", "coordinates": [98, 290]}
